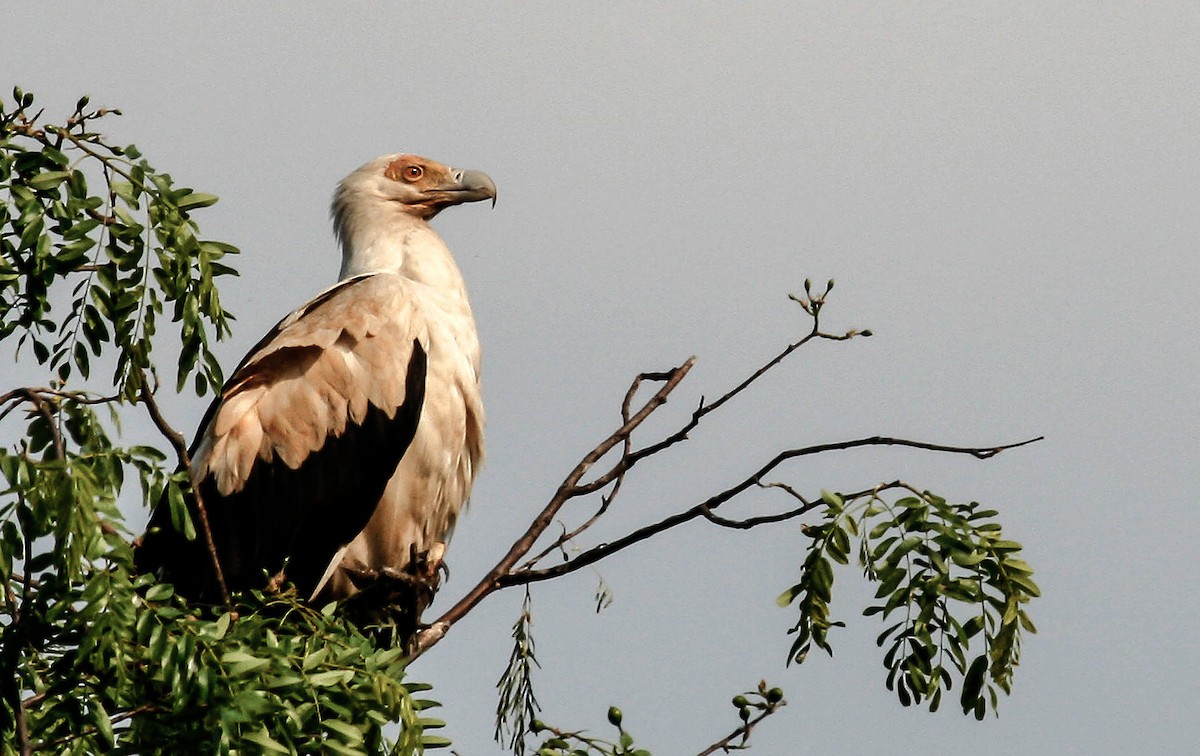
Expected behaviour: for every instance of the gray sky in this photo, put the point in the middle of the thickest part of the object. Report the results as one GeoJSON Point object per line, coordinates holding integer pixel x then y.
{"type": "Point", "coordinates": [1006, 193]}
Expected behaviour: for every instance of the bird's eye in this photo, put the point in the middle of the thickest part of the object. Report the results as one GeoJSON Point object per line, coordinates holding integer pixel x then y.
{"type": "Point", "coordinates": [413, 172]}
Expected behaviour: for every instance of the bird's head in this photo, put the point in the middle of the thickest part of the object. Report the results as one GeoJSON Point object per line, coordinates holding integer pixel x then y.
{"type": "Point", "coordinates": [375, 207]}
{"type": "Point", "coordinates": [414, 185]}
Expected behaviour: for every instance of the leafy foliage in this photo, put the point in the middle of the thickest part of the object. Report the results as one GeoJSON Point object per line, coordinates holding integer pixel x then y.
{"type": "Point", "coordinates": [94, 659]}
{"type": "Point", "coordinates": [122, 255]}
{"type": "Point", "coordinates": [945, 569]}
{"type": "Point", "coordinates": [518, 708]}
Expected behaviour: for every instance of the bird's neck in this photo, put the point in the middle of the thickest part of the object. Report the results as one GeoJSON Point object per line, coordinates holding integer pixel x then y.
{"type": "Point", "coordinates": [378, 239]}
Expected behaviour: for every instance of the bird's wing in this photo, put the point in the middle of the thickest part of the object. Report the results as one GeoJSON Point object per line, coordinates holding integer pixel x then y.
{"type": "Point", "coordinates": [293, 456]}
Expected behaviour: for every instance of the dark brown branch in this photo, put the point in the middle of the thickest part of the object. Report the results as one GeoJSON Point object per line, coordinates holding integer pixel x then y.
{"type": "Point", "coordinates": [705, 508]}
{"type": "Point", "coordinates": [787, 489]}
{"type": "Point", "coordinates": [566, 490]}
{"type": "Point", "coordinates": [22, 725]}
{"type": "Point", "coordinates": [742, 733]}
{"type": "Point", "coordinates": [30, 393]}
{"type": "Point", "coordinates": [628, 460]}
{"type": "Point", "coordinates": [42, 406]}
{"type": "Point", "coordinates": [806, 506]}
{"type": "Point", "coordinates": [55, 745]}
{"type": "Point", "coordinates": [629, 457]}
{"type": "Point", "coordinates": [606, 499]}
{"type": "Point", "coordinates": [753, 522]}
{"type": "Point", "coordinates": [185, 461]}
{"type": "Point", "coordinates": [504, 574]}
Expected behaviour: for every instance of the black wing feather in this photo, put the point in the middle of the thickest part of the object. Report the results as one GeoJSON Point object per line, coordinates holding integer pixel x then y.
{"type": "Point", "coordinates": [285, 519]}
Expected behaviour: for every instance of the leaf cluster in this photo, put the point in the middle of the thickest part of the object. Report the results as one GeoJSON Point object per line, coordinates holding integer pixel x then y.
{"type": "Point", "coordinates": [124, 254]}
{"type": "Point", "coordinates": [101, 661]}
{"type": "Point", "coordinates": [517, 707]}
{"type": "Point", "coordinates": [956, 588]}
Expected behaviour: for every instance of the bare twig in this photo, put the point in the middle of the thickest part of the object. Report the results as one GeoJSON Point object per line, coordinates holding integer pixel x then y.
{"type": "Point", "coordinates": [185, 461]}
{"type": "Point", "coordinates": [505, 574]}
{"type": "Point", "coordinates": [742, 733]}
{"type": "Point", "coordinates": [12, 399]}
{"type": "Point", "coordinates": [706, 507]}
{"type": "Point", "coordinates": [606, 499]}
{"type": "Point", "coordinates": [567, 490]}
{"type": "Point", "coordinates": [629, 457]}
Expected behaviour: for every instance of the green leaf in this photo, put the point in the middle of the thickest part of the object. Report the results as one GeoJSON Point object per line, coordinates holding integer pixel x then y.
{"type": "Point", "coordinates": [331, 677]}
{"type": "Point", "coordinates": [833, 500]}
{"type": "Point", "coordinates": [160, 592]}
{"type": "Point", "coordinates": [1003, 545]}
{"type": "Point", "coordinates": [1026, 584]}
{"type": "Point", "coordinates": [350, 733]}
{"type": "Point", "coordinates": [195, 200]}
{"type": "Point", "coordinates": [973, 684]}
{"type": "Point", "coordinates": [48, 180]}
{"type": "Point", "coordinates": [262, 739]}
{"type": "Point", "coordinates": [787, 597]}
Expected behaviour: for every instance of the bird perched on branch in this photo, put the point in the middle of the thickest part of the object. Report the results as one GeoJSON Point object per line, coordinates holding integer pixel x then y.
{"type": "Point", "coordinates": [345, 444]}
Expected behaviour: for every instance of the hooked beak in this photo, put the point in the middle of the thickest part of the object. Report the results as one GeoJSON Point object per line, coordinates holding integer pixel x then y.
{"type": "Point", "coordinates": [467, 186]}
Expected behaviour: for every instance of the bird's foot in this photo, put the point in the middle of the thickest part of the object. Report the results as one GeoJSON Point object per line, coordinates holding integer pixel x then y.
{"type": "Point", "coordinates": [389, 600]}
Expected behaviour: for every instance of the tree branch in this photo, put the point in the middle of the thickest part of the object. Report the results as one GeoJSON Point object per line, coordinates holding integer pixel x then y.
{"type": "Point", "coordinates": [629, 457]}
{"type": "Point", "coordinates": [706, 507]}
{"type": "Point", "coordinates": [505, 573]}
{"type": "Point", "coordinates": [742, 733]}
{"type": "Point", "coordinates": [114, 719]}
{"type": "Point", "coordinates": [568, 489]}
{"type": "Point", "coordinates": [41, 405]}
{"type": "Point", "coordinates": [606, 499]}
{"type": "Point", "coordinates": [185, 461]}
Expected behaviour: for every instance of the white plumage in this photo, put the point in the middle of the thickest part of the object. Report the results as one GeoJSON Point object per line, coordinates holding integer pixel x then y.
{"type": "Point", "coordinates": [350, 436]}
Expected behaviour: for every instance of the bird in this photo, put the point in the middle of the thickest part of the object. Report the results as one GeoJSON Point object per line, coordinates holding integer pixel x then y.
{"type": "Point", "coordinates": [348, 439]}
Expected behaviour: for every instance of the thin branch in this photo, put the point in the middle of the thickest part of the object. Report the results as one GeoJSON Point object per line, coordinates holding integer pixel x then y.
{"type": "Point", "coordinates": [92, 730]}
{"type": "Point", "coordinates": [629, 457]}
{"type": "Point", "coordinates": [566, 490]}
{"type": "Point", "coordinates": [185, 461]}
{"type": "Point", "coordinates": [742, 733]}
{"type": "Point", "coordinates": [706, 507]}
{"type": "Point", "coordinates": [39, 402]}
{"type": "Point", "coordinates": [504, 574]}
{"type": "Point", "coordinates": [629, 460]}
{"type": "Point", "coordinates": [606, 499]}
{"type": "Point", "coordinates": [806, 505]}
{"type": "Point", "coordinates": [34, 700]}
{"type": "Point", "coordinates": [14, 398]}
{"type": "Point", "coordinates": [22, 725]}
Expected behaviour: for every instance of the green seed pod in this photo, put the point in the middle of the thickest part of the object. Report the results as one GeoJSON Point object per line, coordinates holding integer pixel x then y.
{"type": "Point", "coordinates": [614, 716]}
